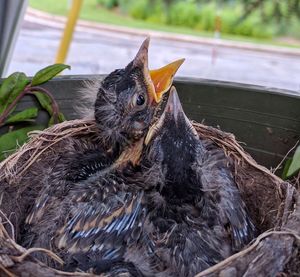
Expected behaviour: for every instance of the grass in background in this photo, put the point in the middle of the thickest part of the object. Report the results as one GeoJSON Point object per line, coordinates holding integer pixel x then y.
{"type": "Point", "coordinates": [94, 12]}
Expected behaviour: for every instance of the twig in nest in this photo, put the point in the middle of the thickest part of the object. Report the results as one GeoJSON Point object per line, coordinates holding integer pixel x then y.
{"type": "Point", "coordinates": [283, 159]}
{"type": "Point", "coordinates": [9, 274]}
{"type": "Point", "coordinates": [75, 273]}
{"type": "Point", "coordinates": [35, 157]}
{"type": "Point", "coordinates": [31, 250]}
{"type": "Point", "coordinates": [3, 231]}
{"type": "Point", "coordinates": [65, 129]}
{"type": "Point", "coordinates": [246, 251]}
{"type": "Point", "coordinates": [10, 224]}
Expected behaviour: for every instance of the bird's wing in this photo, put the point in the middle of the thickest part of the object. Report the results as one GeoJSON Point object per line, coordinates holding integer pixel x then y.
{"type": "Point", "coordinates": [94, 220]}
{"type": "Point", "coordinates": [86, 164]}
{"type": "Point", "coordinates": [218, 181]}
{"type": "Point", "coordinates": [101, 227]}
{"type": "Point", "coordinates": [104, 223]}
{"type": "Point", "coordinates": [74, 167]}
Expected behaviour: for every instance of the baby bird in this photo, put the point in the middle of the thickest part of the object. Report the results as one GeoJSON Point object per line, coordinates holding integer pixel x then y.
{"type": "Point", "coordinates": [127, 99]}
{"type": "Point", "coordinates": [93, 224]}
{"type": "Point", "coordinates": [85, 197]}
{"type": "Point", "coordinates": [197, 213]}
{"type": "Point", "coordinates": [126, 103]}
{"type": "Point", "coordinates": [175, 212]}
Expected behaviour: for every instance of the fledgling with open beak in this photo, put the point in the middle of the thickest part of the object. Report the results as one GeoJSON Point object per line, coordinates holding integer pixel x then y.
{"type": "Point", "coordinates": [126, 103]}
{"type": "Point", "coordinates": [127, 98]}
{"type": "Point", "coordinates": [198, 213]}
{"type": "Point", "coordinates": [95, 211]}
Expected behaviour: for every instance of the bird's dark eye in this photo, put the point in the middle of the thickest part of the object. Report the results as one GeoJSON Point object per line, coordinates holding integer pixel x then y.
{"type": "Point", "coordinates": [140, 100]}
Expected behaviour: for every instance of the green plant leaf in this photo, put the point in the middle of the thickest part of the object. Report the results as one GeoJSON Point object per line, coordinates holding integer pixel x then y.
{"type": "Point", "coordinates": [11, 87]}
{"type": "Point", "coordinates": [51, 121]}
{"type": "Point", "coordinates": [10, 141]}
{"type": "Point", "coordinates": [286, 168]}
{"type": "Point", "coordinates": [45, 101]}
{"type": "Point", "coordinates": [61, 117]}
{"type": "Point", "coordinates": [23, 115]}
{"type": "Point", "coordinates": [295, 164]}
{"type": "Point", "coordinates": [48, 73]}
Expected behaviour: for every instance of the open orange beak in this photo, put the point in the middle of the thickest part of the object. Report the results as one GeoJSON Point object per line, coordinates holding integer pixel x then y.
{"type": "Point", "coordinates": [158, 81]}
{"type": "Point", "coordinates": [162, 78]}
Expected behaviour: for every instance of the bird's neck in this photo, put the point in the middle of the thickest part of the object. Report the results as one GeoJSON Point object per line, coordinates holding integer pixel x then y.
{"type": "Point", "coordinates": [131, 154]}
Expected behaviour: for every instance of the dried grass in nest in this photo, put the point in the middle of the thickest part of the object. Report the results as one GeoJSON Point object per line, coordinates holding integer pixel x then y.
{"type": "Point", "coordinates": [13, 167]}
{"type": "Point", "coordinates": [273, 204]}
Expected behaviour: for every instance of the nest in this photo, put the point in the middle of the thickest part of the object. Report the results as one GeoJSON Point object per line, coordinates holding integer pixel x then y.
{"type": "Point", "coordinates": [273, 204]}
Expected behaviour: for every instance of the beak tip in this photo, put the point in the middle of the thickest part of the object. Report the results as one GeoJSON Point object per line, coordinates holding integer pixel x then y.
{"type": "Point", "coordinates": [173, 90]}
{"type": "Point", "coordinates": [141, 57]}
{"type": "Point", "coordinates": [145, 44]}
{"type": "Point", "coordinates": [175, 65]}
{"type": "Point", "coordinates": [147, 40]}
{"type": "Point", "coordinates": [181, 61]}
{"type": "Point", "coordinates": [173, 104]}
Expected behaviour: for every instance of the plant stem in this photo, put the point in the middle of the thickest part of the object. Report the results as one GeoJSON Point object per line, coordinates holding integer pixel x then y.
{"type": "Point", "coordinates": [55, 109]}
{"type": "Point", "coordinates": [30, 90]}
{"type": "Point", "coordinates": [11, 106]}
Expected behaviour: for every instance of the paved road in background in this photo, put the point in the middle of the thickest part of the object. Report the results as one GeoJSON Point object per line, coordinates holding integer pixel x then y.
{"type": "Point", "coordinates": [99, 51]}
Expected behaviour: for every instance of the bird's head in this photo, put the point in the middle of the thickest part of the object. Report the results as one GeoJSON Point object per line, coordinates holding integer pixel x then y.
{"type": "Point", "coordinates": [172, 141]}
{"type": "Point", "coordinates": [127, 99]}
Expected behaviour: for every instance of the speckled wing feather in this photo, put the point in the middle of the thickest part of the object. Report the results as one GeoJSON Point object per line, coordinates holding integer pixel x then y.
{"type": "Point", "coordinates": [95, 218]}
{"type": "Point", "coordinates": [217, 180]}
{"type": "Point", "coordinates": [104, 220]}
{"type": "Point", "coordinates": [74, 167]}
{"type": "Point", "coordinates": [104, 226]}
{"type": "Point", "coordinates": [86, 164]}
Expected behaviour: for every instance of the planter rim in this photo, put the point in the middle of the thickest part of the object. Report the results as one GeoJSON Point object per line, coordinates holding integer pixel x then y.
{"type": "Point", "coordinates": [193, 80]}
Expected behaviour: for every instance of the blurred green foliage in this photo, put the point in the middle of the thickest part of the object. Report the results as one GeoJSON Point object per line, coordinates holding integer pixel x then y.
{"type": "Point", "coordinates": [139, 9]}
{"type": "Point", "coordinates": [109, 4]}
{"type": "Point", "coordinates": [16, 125]}
{"type": "Point", "coordinates": [253, 18]}
{"type": "Point", "coordinates": [183, 13]}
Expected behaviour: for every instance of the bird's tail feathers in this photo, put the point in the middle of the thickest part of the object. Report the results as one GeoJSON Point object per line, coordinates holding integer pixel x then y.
{"type": "Point", "coordinates": [242, 228]}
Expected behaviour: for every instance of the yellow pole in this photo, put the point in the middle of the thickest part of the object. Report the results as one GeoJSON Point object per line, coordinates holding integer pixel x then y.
{"type": "Point", "coordinates": [68, 32]}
